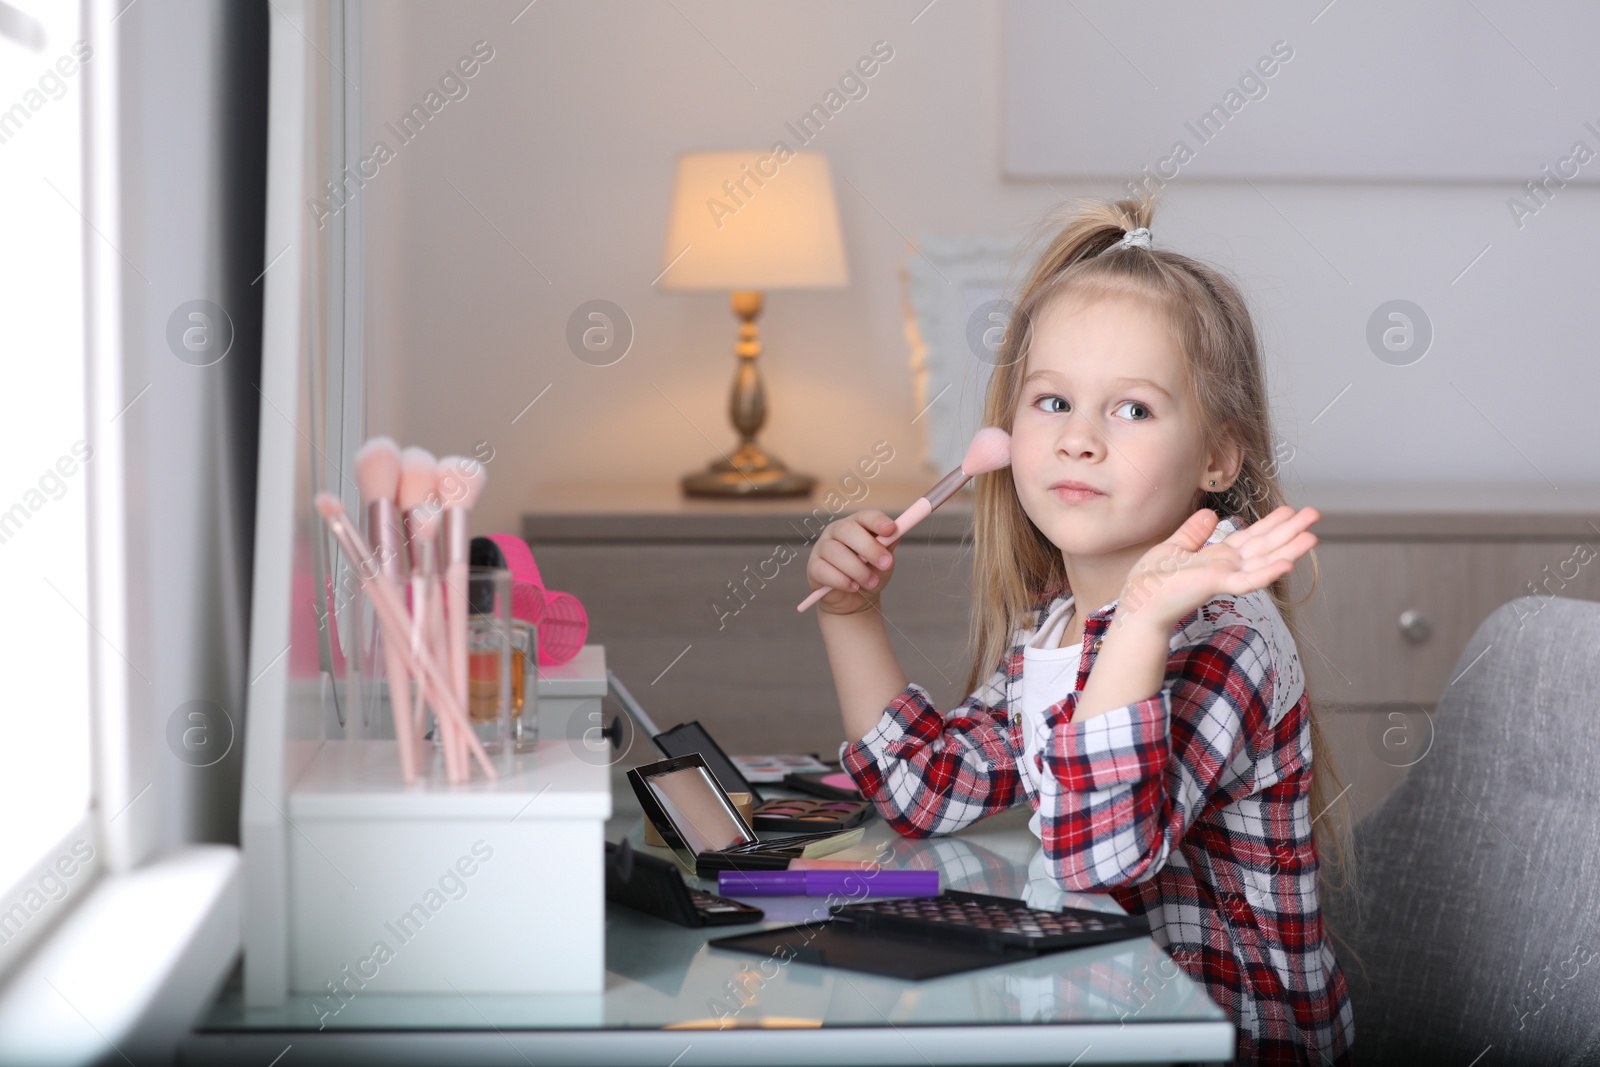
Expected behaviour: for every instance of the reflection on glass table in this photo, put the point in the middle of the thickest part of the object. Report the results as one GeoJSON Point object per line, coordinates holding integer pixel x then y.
{"type": "Point", "coordinates": [663, 977]}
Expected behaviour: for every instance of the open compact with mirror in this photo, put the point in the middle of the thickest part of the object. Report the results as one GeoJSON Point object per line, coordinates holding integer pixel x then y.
{"type": "Point", "coordinates": [703, 828]}
{"type": "Point", "coordinates": [801, 814]}
{"type": "Point", "coordinates": [830, 807]}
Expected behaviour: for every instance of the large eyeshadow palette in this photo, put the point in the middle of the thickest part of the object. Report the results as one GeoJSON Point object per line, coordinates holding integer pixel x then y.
{"type": "Point", "coordinates": [983, 920]}
{"type": "Point", "coordinates": [809, 813]}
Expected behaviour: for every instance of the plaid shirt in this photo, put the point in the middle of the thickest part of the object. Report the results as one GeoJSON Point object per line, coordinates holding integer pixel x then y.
{"type": "Point", "coordinates": [1191, 806]}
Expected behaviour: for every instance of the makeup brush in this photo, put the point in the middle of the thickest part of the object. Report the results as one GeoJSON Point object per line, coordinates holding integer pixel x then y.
{"type": "Point", "coordinates": [990, 451]}
{"type": "Point", "coordinates": [422, 522]}
{"type": "Point", "coordinates": [418, 475]}
{"type": "Point", "coordinates": [377, 466]}
{"type": "Point", "coordinates": [460, 483]}
{"type": "Point", "coordinates": [392, 617]}
{"type": "Point", "coordinates": [439, 641]}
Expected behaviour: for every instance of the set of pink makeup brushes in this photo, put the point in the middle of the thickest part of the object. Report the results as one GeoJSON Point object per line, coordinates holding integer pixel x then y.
{"type": "Point", "coordinates": [417, 512]}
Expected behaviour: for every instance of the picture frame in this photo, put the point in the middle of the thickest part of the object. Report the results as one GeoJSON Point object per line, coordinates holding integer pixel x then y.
{"type": "Point", "coordinates": [958, 287]}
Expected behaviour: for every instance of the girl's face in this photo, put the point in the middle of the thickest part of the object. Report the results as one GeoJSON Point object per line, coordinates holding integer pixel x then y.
{"type": "Point", "coordinates": [1105, 403]}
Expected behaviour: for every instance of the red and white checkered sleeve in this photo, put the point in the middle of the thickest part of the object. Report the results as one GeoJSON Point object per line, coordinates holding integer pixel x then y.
{"type": "Point", "coordinates": [932, 774]}
{"type": "Point", "coordinates": [1119, 791]}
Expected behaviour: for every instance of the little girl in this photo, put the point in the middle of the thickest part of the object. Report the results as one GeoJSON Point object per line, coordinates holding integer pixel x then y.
{"type": "Point", "coordinates": [1140, 684]}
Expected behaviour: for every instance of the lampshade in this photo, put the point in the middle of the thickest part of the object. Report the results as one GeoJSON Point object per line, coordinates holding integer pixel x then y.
{"type": "Point", "coordinates": [746, 221]}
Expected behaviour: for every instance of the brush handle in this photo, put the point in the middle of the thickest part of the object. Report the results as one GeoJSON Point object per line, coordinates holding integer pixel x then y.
{"type": "Point", "coordinates": [383, 531]}
{"type": "Point", "coordinates": [453, 720]}
{"type": "Point", "coordinates": [943, 490]}
{"type": "Point", "coordinates": [816, 595]}
{"type": "Point", "coordinates": [454, 717]}
{"type": "Point", "coordinates": [455, 545]}
{"type": "Point", "coordinates": [384, 534]}
{"type": "Point", "coordinates": [422, 664]}
{"type": "Point", "coordinates": [456, 625]}
{"type": "Point", "coordinates": [908, 518]}
{"type": "Point", "coordinates": [427, 631]}
{"type": "Point", "coordinates": [424, 633]}
{"type": "Point", "coordinates": [439, 640]}
{"type": "Point", "coordinates": [421, 635]}
{"type": "Point", "coordinates": [400, 712]}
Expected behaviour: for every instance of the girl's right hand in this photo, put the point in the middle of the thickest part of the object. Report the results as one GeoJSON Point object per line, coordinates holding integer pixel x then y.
{"type": "Point", "coordinates": [852, 563]}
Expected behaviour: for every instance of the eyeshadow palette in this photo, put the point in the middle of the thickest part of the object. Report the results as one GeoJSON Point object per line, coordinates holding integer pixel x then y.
{"type": "Point", "coordinates": [916, 938]}
{"type": "Point", "coordinates": [810, 813]}
{"type": "Point", "coordinates": [835, 785]}
{"type": "Point", "coordinates": [982, 920]}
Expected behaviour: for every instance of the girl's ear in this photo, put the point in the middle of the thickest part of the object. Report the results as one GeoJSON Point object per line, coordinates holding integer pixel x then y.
{"type": "Point", "coordinates": [1223, 467]}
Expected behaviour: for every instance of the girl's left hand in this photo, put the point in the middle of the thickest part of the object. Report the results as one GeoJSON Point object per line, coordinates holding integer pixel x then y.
{"type": "Point", "coordinates": [1183, 572]}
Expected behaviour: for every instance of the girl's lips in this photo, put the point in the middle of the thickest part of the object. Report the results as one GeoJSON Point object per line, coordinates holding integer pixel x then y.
{"type": "Point", "coordinates": [1075, 496]}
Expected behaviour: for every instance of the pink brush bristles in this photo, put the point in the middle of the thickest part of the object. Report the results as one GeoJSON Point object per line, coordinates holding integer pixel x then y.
{"type": "Point", "coordinates": [418, 472]}
{"type": "Point", "coordinates": [990, 450]}
{"type": "Point", "coordinates": [378, 470]}
{"type": "Point", "coordinates": [459, 482]}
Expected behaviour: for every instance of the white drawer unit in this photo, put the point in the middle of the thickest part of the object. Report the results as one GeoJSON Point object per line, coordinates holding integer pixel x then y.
{"type": "Point", "coordinates": [484, 887]}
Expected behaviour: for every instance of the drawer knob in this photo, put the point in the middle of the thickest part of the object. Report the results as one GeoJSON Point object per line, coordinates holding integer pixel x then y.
{"type": "Point", "coordinates": [1414, 626]}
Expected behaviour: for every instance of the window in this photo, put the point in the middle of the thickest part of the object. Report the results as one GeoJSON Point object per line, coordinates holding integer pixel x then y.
{"type": "Point", "coordinates": [45, 443]}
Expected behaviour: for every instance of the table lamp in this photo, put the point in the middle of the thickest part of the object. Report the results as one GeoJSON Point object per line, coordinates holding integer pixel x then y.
{"type": "Point", "coordinates": [749, 222]}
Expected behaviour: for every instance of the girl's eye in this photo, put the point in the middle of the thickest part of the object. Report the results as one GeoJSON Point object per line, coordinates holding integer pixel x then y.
{"type": "Point", "coordinates": [1048, 400]}
{"type": "Point", "coordinates": [1138, 405]}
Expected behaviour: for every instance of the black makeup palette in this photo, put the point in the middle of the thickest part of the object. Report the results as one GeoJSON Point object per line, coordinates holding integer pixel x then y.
{"type": "Point", "coordinates": [983, 920]}
{"type": "Point", "coordinates": [916, 938]}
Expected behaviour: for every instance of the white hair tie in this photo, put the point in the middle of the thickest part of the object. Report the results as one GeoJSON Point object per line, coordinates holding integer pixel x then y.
{"type": "Point", "coordinates": [1139, 238]}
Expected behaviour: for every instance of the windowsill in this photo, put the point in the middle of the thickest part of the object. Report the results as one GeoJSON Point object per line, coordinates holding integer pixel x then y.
{"type": "Point", "coordinates": [172, 928]}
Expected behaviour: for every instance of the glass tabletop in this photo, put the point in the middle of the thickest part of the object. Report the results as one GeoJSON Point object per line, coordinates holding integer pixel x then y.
{"type": "Point", "coordinates": [662, 976]}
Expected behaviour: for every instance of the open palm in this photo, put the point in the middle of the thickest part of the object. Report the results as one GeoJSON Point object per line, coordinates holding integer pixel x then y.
{"type": "Point", "coordinates": [1183, 572]}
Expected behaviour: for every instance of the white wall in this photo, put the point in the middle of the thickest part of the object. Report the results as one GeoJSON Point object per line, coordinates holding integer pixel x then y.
{"type": "Point", "coordinates": [566, 143]}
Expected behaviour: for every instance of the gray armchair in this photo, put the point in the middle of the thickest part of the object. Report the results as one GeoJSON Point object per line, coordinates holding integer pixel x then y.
{"type": "Point", "coordinates": [1479, 919]}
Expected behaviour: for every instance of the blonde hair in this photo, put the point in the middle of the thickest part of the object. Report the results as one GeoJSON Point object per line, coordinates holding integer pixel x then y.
{"type": "Point", "coordinates": [1016, 569]}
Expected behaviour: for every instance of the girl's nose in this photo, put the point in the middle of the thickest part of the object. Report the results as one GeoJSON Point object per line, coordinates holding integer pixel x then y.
{"type": "Point", "coordinates": [1079, 437]}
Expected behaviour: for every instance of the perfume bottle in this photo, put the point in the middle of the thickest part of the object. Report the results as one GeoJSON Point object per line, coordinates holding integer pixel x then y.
{"type": "Point", "coordinates": [501, 657]}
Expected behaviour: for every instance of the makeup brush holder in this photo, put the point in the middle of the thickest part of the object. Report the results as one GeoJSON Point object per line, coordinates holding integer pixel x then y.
{"type": "Point", "coordinates": [482, 887]}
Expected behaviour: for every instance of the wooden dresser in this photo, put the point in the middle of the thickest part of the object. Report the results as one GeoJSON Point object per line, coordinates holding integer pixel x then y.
{"type": "Point", "coordinates": [695, 600]}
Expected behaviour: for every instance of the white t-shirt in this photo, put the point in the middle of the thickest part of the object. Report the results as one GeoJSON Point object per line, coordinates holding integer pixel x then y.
{"type": "Point", "coordinates": [1049, 673]}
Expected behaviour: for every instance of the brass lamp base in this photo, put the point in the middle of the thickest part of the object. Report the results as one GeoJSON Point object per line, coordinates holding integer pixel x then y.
{"type": "Point", "coordinates": [751, 471]}
{"type": "Point", "coordinates": [765, 477]}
